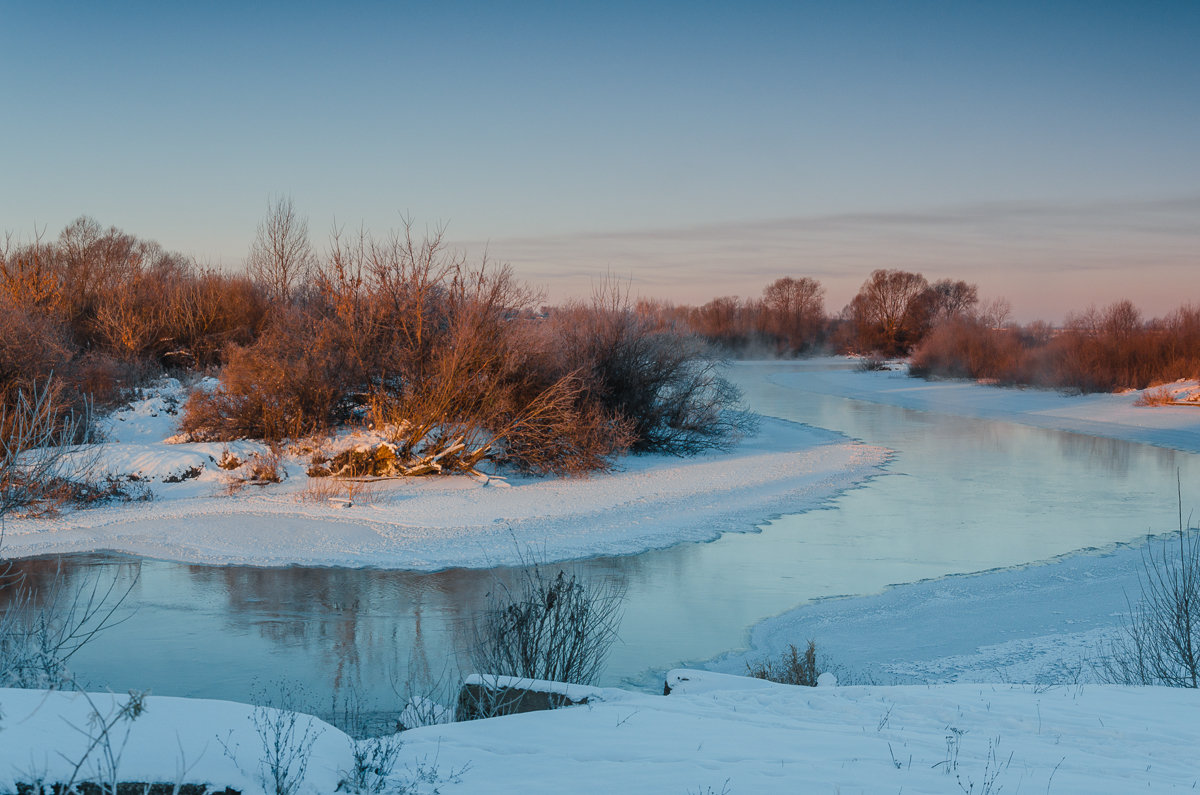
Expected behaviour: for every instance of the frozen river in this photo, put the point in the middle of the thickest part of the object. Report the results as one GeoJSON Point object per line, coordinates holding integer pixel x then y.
{"type": "Point", "coordinates": [960, 495]}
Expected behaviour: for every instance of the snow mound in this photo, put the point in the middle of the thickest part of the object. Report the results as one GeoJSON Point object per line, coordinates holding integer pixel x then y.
{"type": "Point", "coordinates": [713, 733]}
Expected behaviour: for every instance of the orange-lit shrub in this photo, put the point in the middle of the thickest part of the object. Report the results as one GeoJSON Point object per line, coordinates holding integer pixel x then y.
{"type": "Point", "coordinates": [293, 381]}
{"type": "Point", "coordinates": [1097, 351]}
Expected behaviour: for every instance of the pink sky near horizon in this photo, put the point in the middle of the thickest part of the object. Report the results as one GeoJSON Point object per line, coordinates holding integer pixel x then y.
{"type": "Point", "coordinates": [1047, 260]}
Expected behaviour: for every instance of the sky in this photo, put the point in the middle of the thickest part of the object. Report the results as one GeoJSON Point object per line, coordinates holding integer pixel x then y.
{"type": "Point", "coordinates": [1047, 151]}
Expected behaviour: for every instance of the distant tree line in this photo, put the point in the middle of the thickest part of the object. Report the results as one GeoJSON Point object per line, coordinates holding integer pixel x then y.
{"type": "Point", "coordinates": [1098, 350]}
{"type": "Point", "coordinates": [948, 332]}
{"type": "Point", "coordinates": [893, 311]}
{"type": "Point", "coordinates": [399, 326]}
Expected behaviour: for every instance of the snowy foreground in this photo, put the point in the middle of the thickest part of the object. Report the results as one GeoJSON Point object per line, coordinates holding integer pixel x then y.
{"type": "Point", "coordinates": [713, 734]}
{"type": "Point", "coordinates": [433, 523]}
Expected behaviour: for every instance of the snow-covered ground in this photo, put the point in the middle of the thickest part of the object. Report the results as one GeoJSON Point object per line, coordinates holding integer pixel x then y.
{"type": "Point", "coordinates": [434, 523]}
{"type": "Point", "coordinates": [1109, 415]}
{"type": "Point", "coordinates": [44, 735]}
{"type": "Point", "coordinates": [712, 734]}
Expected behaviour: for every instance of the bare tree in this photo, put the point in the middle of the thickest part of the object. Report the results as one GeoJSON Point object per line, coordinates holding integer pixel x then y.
{"type": "Point", "coordinates": [411, 277]}
{"type": "Point", "coordinates": [794, 311]}
{"type": "Point", "coordinates": [281, 257]}
{"type": "Point", "coordinates": [891, 310]}
{"type": "Point", "coordinates": [27, 274]}
{"type": "Point", "coordinates": [953, 299]}
{"type": "Point", "coordinates": [722, 321]}
{"type": "Point", "coordinates": [1120, 321]}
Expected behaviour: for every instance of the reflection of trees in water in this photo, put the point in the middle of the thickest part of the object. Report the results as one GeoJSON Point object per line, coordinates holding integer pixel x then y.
{"type": "Point", "coordinates": [1119, 457]}
{"type": "Point", "coordinates": [50, 609]}
{"type": "Point", "coordinates": [362, 626]}
{"type": "Point", "coordinates": [327, 628]}
{"type": "Point", "coordinates": [368, 629]}
{"type": "Point", "coordinates": [40, 578]}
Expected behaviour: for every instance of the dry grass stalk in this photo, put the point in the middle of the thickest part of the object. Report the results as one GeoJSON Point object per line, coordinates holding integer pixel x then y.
{"type": "Point", "coordinates": [265, 467]}
{"type": "Point", "coordinates": [258, 469]}
{"type": "Point", "coordinates": [792, 668]}
{"type": "Point", "coordinates": [1159, 641]}
{"type": "Point", "coordinates": [1158, 396]}
{"type": "Point", "coordinates": [347, 492]}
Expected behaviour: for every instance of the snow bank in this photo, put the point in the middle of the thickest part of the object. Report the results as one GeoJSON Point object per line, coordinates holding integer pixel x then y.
{"type": "Point", "coordinates": [1041, 623]}
{"type": "Point", "coordinates": [436, 523]}
{"type": "Point", "coordinates": [45, 734]}
{"type": "Point", "coordinates": [732, 734]}
{"type": "Point", "coordinates": [1109, 415]}
{"type": "Point", "coordinates": [713, 734]}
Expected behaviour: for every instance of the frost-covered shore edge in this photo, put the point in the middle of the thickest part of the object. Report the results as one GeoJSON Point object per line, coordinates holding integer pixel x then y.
{"type": "Point", "coordinates": [430, 524]}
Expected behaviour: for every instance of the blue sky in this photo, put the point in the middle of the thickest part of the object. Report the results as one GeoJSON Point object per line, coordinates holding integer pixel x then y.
{"type": "Point", "coordinates": [1048, 151]}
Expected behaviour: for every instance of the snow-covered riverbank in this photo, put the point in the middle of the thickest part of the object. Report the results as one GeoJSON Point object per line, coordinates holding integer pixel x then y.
{"type": "Point", "coordinates": [1031, 623]}
{"type": "Point", "coordinates": [1043, 623]}
{"type": "Point", "coordinates": [433, 523]}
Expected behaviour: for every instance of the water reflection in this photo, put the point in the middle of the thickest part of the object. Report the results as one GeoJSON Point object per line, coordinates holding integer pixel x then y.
{"type": "Point", "coordinates": [35, 582]}
{"type": "Point", "coordinates": [1118, 457]}
{"type": "Point", "coordinates": [960, 495]}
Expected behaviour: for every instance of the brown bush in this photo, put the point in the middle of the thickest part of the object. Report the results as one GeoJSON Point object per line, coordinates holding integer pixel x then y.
{"type": "Point", "coordinates": [967, 348]}
{"type": "Point", "coordinates": [292, 382]}
{"type": "Point", "coordinates": [37, 471]}
{"type": "Point", "coordinates": [449, 356]}
{"type": "Point", "coordinates": [561, 432]}
{"type": "Point", "coordinates": [204, 313]}
{"type": "Point", "coordinates": [664, 384]}
{"type": "Point", "coordinates": [1098, 350]}
{"type": "Point", "coordinates": [491, 386]}
{"type": "Point", "coordinates": [29, 277]}
{"type": "Point", "coordinates": [32, 346]}
{"type": "Point", "coordinates": [98, 377]}
{"type": "Point", "coordinates": [105, 311]}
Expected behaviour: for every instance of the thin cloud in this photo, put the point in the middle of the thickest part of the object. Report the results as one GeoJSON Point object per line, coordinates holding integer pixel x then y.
{"type": "Point", "coordinates": [1091, 252]}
